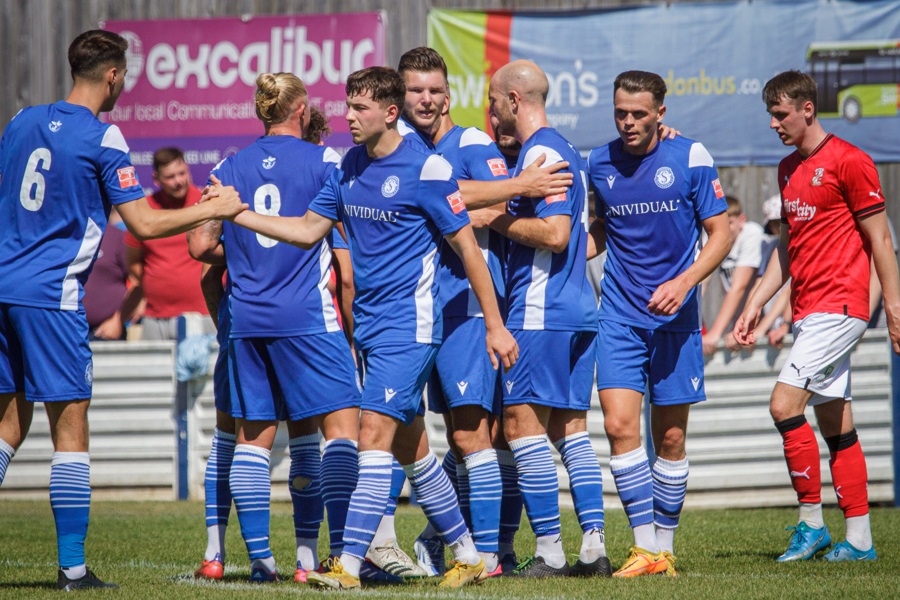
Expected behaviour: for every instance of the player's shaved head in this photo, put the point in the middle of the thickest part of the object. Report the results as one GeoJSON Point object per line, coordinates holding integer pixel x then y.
{"type": "Point", "coordinates": [524, 77]}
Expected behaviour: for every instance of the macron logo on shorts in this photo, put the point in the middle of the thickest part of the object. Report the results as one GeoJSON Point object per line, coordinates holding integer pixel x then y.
{"type": "Point", "coordinates": [509, 386]}
{"type": "Point", "coordinates": [389, 394]}
{"type": "Point", "coordinates": [695, 381]}
{"type": "Point", "coordinates": [463, 386]}
{"type": "Point", "coordinates": [127, 178]}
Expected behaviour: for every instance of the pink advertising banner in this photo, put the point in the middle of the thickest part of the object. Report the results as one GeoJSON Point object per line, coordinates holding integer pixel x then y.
{"type": "Point", "coordinates": [190, 82]}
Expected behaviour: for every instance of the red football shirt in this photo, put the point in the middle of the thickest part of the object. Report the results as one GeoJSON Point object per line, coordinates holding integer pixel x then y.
{"type": "Point", "coordinates": [823, 197]}
{"type": "Point", "coordinates": [171, 279]}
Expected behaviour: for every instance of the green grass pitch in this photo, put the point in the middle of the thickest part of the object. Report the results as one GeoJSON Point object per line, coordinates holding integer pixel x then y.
{"type": "Point", "coordinates": [151, 548]}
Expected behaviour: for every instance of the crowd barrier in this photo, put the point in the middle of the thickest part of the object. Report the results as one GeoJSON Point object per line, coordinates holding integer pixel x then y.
{"type": "Point", "coordinates": [150, 435]}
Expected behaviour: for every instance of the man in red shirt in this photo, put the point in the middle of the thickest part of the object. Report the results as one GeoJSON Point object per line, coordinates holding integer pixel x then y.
{"type": "Point", "coordinates": [833, 222]}
{"type": "Point", "coordinates": [163, 268]}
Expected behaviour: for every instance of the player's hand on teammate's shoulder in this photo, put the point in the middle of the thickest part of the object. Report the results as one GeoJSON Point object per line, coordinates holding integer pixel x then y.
{"type": "Point", "coordinates": [666, 132]}
{"type": "Point", "coordinates": [501, 342]}
{"type": "Point", "coordinates": [226, 199]}
{"type": "Point", "coordinates": [539, 181]}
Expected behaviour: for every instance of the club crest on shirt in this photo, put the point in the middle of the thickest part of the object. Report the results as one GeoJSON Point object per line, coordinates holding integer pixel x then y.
{"type": "Point", "coordinates": [268, 162]}
{"type": "Point", "coordinates": [664, 178]}
{"type": "Point", "coordinates": [818, 174]}
{"type": "Point", "coordinates": [55, 125]}
{"type": "Point", "coordinates": [390, 186]}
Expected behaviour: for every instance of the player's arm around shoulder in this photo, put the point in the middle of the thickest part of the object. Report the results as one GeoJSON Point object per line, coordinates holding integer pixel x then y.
{"type": "Point", "coordinates": [499, 340]}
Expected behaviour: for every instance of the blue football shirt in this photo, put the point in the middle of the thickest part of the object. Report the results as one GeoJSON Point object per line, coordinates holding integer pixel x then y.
{"type": "Point", "coordinates": [547, 290]}
{"type": "Point", "coordinates": [652, 206]}
{"type": "Point", "coordinates": [60, 170]}
{"type": "Point", "coordinates": [473, 156]}
{"type": "Point", "coordinates": [395, 210]}
{"type": "Point", "coordinates": [278, 290]}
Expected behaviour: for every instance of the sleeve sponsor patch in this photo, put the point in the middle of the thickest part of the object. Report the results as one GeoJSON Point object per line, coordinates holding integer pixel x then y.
{"type": "Point", "coordinates": [497, 166]}
{"type": "Point", "coordinates": [456, 202]}
{"type": "Point", "coordinates": [555, 198]}
{"type": "Point", "coordinates": [127, 178]}
{"type": "Point", "coordinates": [717, 188]}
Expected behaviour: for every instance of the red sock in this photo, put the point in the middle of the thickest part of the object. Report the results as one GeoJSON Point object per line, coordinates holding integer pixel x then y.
{"type": "Point", "coordinates": [848, 471]}
{"type": "Point", "coordinates": [801, 452]}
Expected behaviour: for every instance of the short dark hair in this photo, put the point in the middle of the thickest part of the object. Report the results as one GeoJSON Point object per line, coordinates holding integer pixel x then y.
{"type": "Point", "coordinates": [635, 82]}
{"type": "Point", "coordinates": [166, 156]}
{"type": "Point", "coordinates": [318, 128]}
{"type": "Point", "coordinates": [422, 60]}
{"type": "Point", "coordinates": [93, 51]}
{"type": "Point", "coordinates": [384, 84]}
{"type": "Point", "coordinates": [794, 85]}
{"type": "Point", "coordinates": [734, 206]}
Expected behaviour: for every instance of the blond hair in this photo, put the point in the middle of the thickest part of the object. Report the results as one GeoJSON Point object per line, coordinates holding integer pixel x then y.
{"type": "Point", "coordinates": [277, 95]}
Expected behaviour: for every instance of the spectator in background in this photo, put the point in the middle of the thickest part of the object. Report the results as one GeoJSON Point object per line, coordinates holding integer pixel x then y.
{"type": "Point", "coordinates": [106, 292]}
{"type": "Point", "coordinates": [738, 272]}
{"type": "Point", "coordinates": [163, 270]}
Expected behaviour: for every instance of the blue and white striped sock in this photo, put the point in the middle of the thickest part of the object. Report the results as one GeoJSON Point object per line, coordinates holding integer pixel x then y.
{"type": "Point", "coordinates": [485, 496]}
{"type": "Point", "coordinates": [511, 504]}
{"type": "Point", "coordinates": [6, 454]}
{"type": "Point", "coordinates": [340, 472]}
{"type": "Point", "coordinates": [669, 489]}
{"type": "Point", "coordinates": [70, 500]}
{"type": "Point", "coordinates": [218, 493]}
{"type": "Point", "coordinates": [538, 483]}
{"type": "Point", "coordinates": [367, 504]}
{"type": "Point", "coordinates": [585, 478]}
{"type": "Point", "coordinates": [437, 499]}
{"type": "Point", "coordinates": [631, 472]}
{"type": "Point", "coordinates": [251, 487]}
{"type": "Point", "coordinates": [386, 533]}
{"type": "Point", "coordinates": [309, 509]}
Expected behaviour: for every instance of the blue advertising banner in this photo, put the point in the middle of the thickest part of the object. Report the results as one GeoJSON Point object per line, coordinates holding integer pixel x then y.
{"type": "Point", "coordinates": [715, 59]}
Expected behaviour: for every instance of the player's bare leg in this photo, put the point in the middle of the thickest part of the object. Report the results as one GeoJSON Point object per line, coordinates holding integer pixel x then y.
{"type": "Point", "coordinates": [15, 421]}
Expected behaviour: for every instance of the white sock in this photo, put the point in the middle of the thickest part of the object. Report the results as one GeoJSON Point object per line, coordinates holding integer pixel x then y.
{"type": "Point", "coordinates": [385, 532]}
{"type": "Point", "coordinates": [307, 553]}
{"type": "Point", "coordinates": [263, 563]}
{"type": "Point", "coordinates": [645, 537]}
{"type": "Point", "coordinates": [665, 537]}
{"type": "Point", "coordinates": [464, 550]}
{"type": "Point", "coordinates": [491, 560]}
{"type": "Point", "coordinates": [549, 547]}
{"type": "Point", "coordinates": [592, 546]}
{"type": "Point", "coordinates": [215, 542]}
{"type": "Point", "coordinates": [859, 532]}
{"type": "Point", "coordinates": [811, 514]}
{"type": "Point", "coordinates": [351, 564]}
{"type": "Point", "coordinates": [76, 572]}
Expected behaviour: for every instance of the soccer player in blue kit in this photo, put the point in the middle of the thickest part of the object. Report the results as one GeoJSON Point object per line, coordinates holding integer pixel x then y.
{"type": "Point", "coordinates": [463, 385]}
{"type": "Point", "coordinates": [652, 201]}
{"type": "Point", "coordinates": [396, 204]}
{"type": "Point", "coordinates": [287, 354]}
{"type": "Point", "coordinates": [60, 171]}
{"type": "Point", "coordinates": [553, 317]}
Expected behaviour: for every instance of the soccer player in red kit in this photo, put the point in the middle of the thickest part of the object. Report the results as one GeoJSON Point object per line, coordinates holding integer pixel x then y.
{"type": "Point", "coordinates": [833, 222]}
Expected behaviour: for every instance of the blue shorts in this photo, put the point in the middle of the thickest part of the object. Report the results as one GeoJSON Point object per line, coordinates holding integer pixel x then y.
{"type": "Point", "coordinates": [291, 378]}
{"type": "Point", "coordinates": [221, 388]}
{"type": "Point", "coordinates": [667, 365]}
{"type": "Point", "coordinates": [394, 376]}
{"type": "Point", "coordinates": [58, 365]}
{"type": "Point", "coordinates": [555, 369]}
{"type": "Point", "coordinates": [463, 374]}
